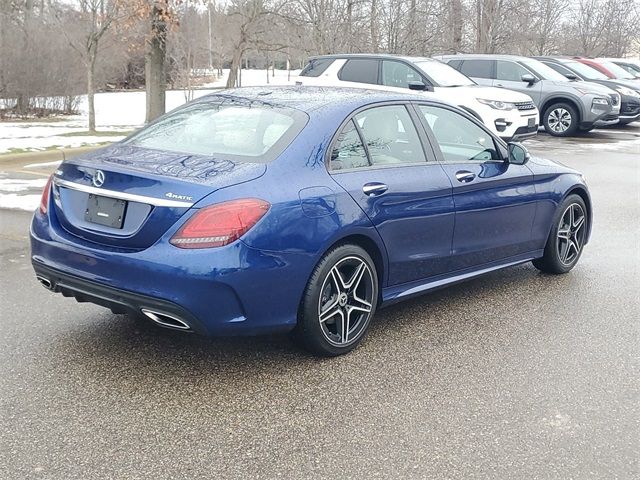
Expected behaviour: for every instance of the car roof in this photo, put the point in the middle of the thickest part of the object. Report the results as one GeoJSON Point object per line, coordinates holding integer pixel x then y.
{"type": "Point", "coordinates": [310, 98]}
{"type": "Point", "coordinates": [490, 56]}
{"type": "Point", "coordinates": [556, 58]}
{"type": "Point", "coordinates": [375, 55]}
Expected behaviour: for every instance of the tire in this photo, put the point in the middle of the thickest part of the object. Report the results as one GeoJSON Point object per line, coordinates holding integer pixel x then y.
{"type": "Point", "coordinates": [561, 120]}
{"type": "Point", "coordinates": [565, 243]}
{"type": "Point", "coordinates": [343, 288]}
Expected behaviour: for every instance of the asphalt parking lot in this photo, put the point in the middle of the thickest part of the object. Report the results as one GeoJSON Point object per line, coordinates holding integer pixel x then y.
{"type": "Point", "coordinates": [514, 375]}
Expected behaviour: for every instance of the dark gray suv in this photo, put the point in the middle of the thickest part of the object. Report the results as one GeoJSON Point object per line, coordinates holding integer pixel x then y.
{"type": "Point", "coordinates": [565, 107]}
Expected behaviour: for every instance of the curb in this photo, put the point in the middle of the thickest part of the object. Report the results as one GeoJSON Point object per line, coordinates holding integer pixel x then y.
{"type": "Point", "coordinates": [48, 155]}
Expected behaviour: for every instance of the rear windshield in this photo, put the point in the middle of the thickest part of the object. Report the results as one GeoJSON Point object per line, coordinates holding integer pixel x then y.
{"type": "Point", "coordinates": [233, 129]}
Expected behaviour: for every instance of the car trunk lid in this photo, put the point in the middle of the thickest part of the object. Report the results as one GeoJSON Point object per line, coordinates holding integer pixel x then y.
{"type": "Point", "coordinates": [128, 197]}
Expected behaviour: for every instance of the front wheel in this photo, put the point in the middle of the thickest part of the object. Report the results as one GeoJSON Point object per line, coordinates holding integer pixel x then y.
{"type": "Point", "coordinates": [339, 302]}
{"type": "Point", "coordinates": [561, 120]}
{"type": "Point", "coordinates": [567, 238]}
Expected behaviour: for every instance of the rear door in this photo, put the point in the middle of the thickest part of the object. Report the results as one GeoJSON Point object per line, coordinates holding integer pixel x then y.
{"type": "Point", "coordinates": [509, 75]}
{"type": "Point", "coordinates": [379, 159]}
{"type": "Point", "coordinates": [494, 199]}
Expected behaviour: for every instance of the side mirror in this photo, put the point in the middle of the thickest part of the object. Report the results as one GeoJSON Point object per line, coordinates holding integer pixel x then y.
{"type": "Point", "coordinates": [419, 86]}
{"type": "Point", "coordinates": [518, 154]}
{"type": "Point", "coordinates": [530, 79]}
{"type": "Point", "coordinates": [571, 76]}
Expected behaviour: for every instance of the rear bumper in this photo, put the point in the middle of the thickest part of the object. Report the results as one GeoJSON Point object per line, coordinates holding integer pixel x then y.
{"type": "Point", "coordinates": [117, 300]}
{"type": "Point", "coordinates": [231, 290]}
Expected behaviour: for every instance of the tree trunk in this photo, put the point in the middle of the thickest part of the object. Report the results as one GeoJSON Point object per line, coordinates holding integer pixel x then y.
{"type": "Point", "coordinates": [236, 63]}
{"type": "Point", "coordinates": [456, 25]}
{"type": "Point", "coordinates": [375, 42]}
{"type": "Point", "coordinates": [92, 51]}
{"type": "Point", "coordinates": [154, 65]}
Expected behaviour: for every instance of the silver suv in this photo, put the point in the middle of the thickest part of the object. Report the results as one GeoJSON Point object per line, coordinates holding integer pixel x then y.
{"type": "Point", "coordinates": [565, 107]}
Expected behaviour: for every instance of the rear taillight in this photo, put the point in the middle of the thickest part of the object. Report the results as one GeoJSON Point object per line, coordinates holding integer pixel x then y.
{"type": "Point", "coordinates": [220, 224]}
{"type": "Point", "coordinates": [46, 193]}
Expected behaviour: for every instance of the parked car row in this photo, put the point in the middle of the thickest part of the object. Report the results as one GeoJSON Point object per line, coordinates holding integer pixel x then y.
{"type": "Point", "coordinates": [511, 95]}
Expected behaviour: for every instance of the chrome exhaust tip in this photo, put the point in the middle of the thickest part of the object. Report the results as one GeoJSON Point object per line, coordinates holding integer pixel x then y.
{"type": "Point", "coordinates": [46, 283]}
{"type": "Point", "coordinates": [165, 320]}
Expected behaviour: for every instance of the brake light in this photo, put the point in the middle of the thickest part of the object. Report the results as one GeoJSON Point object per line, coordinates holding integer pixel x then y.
{"type": "Point", "coordinates": [220, 224]}
{"type": "Point", "coordinates": [46, 193]}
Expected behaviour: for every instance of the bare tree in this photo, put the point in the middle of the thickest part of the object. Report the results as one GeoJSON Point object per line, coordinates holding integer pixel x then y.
{"type": "Point", "coordinates": [96, 16]}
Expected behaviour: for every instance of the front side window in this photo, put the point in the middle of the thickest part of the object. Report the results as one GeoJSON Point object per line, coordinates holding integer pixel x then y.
{"type": "Point", "coordinates": [359, 70]}
{"type": "Point", "coordinates": [477, 68]}
{"type": "Point", "coordinates": [398, 74]}
{"type": "Point", "coordinates": [459, 139]}
{"type": "Point", "coordinates": [348, 151]}
{"type": "Point", "coordinates": [390, 135]}
{"type": "Point", "coordinates": [224, 128]}
{"type": "Point", "coordinates": [511, 71]}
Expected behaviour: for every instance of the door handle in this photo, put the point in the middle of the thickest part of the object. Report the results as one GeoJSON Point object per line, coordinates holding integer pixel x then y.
{"type": "Point", "coordinates": [374, 188]}
{"type": "Point", "coordinates": [464, 176]}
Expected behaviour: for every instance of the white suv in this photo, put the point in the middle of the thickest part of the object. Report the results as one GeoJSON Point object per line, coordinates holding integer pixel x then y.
{"type": "Point", "coordinates": [509, 114]}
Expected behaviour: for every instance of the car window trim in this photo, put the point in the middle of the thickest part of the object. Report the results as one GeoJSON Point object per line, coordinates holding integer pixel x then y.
{"type": "Point", "coordinates": [501, 146]}
{"type": "Point", "coordinates": [429, 159]}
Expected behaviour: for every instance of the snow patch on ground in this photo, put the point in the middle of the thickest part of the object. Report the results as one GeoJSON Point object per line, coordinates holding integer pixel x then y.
{"type": "Point", "coordinates": [610, 146]}
{"type": "Point", "coordinates": [19, 202]}
{"type": "Point", "coordinates": [44, 164]}
{"type": "Point", "coordinates": [115, 112]}
{"type": "Point", "coordinates": [20, 185]}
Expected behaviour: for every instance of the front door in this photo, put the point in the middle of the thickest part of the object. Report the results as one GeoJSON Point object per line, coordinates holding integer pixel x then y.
{"type": "Point", "coordinates": [509, 75]}
{"type": "Point", "coordinates": [494, 200]}
{"type": "Point", "coordinates": [380, 161]}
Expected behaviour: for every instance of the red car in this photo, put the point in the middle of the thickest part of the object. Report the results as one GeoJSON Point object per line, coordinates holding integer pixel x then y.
{"type": "Point", "coordinates": [610, 69]}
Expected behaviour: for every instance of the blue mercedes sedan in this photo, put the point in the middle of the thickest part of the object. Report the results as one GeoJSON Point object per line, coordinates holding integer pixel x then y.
{"type": "Point", "coordinates": [300, 209]}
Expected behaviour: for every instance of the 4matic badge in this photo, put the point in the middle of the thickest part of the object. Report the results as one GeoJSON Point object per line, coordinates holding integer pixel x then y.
{"type": "Point", "coordinates": [175, 196]}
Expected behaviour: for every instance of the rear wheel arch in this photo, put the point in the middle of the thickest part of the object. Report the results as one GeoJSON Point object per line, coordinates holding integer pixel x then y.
{"type": "Point", "coordinates": [368, 245]}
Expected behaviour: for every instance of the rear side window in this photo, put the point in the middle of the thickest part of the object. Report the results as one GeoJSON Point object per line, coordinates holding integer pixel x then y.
{"type": "Point", "coordinates": [360, 70]}
{"type": "Point", "coordinates": [348, 151]}
{"type": "Point", "coordinates": [316, 67]}
{"type": "Point", "coordinates": [477, 68]}
{"type": "Point", "coordinates": [223, 128]}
